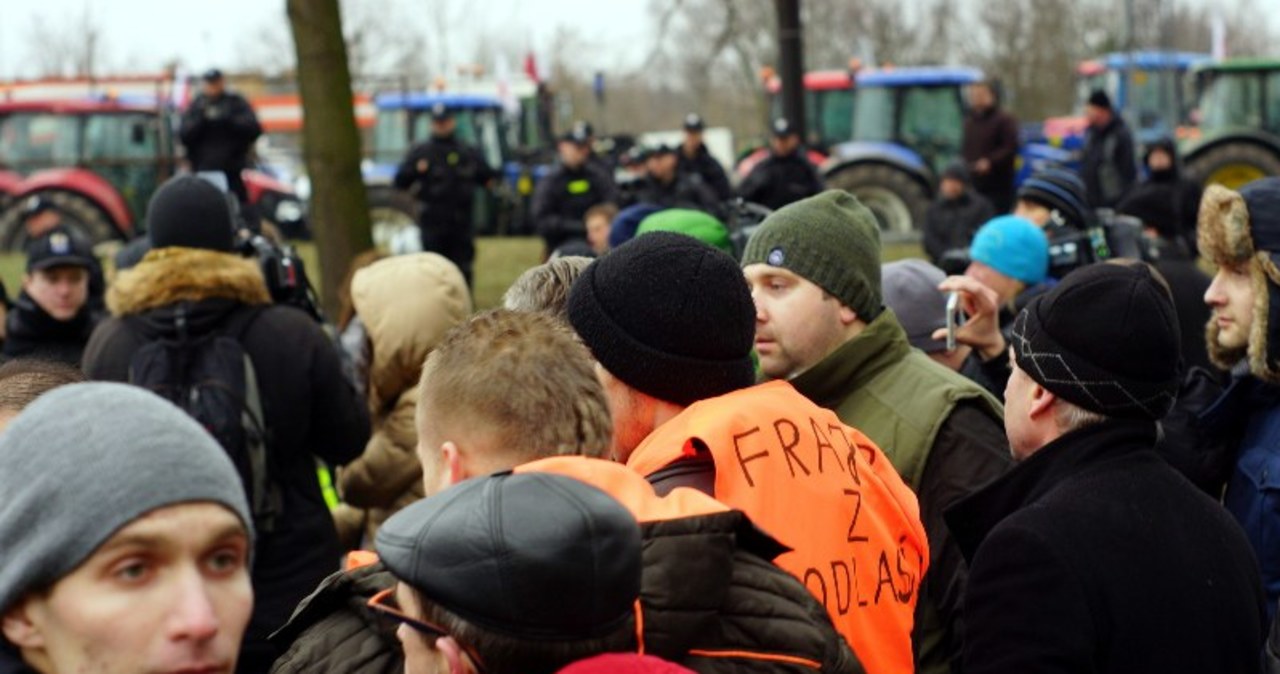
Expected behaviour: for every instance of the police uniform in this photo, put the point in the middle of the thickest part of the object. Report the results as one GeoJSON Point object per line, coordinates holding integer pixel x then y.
{"type": "Point", "coordinates": [447, 192]}
{"type": "Point", "coordinates": [702, 164]}
{"type": "Point", "coordinates": [683, 191]}
{"type": "Point", "coordinates": [563, 197]}
{"type": "Point", "coordinates": [781, 179]}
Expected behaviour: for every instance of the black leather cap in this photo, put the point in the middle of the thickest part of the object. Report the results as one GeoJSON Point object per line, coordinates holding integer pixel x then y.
{"type": "Point", "coordinates": [533, 556]}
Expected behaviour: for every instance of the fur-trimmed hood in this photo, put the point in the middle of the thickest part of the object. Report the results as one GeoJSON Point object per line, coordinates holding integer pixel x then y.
{"type": "Point", "coordinates": [1225, 233]}
{"type": "Point", "coordinates": [167, 276]}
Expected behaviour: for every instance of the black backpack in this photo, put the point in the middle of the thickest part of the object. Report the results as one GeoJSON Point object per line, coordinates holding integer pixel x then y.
{"type": "Point", "coordinates": [213, 380]}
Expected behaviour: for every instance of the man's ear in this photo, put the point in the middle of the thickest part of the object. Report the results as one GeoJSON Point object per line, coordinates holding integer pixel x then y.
{"type": "Point", "coordinates": [847, 315]}
{"type": "Point", "coordinates": [19, 628]}
{"type": "Point", "coordinates": [455, 469]}
{"type": "Point", "coordinates": [1042, 401]}
{"type": "Point", "coordinates": [453, 654]}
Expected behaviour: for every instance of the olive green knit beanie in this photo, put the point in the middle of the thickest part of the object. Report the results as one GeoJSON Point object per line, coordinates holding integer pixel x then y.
{"type": "Point", "coordinates": [832, 240]}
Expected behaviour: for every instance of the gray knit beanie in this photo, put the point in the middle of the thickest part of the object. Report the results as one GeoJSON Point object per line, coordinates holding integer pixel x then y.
{"type": "Point", "coordinates": [832, 240]}
{"type": "Point", "coordinates": [85, 460]}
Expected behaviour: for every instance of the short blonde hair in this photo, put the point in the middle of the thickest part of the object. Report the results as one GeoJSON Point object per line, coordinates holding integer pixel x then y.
{"type": "Point", "coordinates": [521, 379]}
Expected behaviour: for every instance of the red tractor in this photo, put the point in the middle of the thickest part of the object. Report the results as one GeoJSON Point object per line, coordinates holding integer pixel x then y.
{"type": "Point", "coordinates": [99, 162]}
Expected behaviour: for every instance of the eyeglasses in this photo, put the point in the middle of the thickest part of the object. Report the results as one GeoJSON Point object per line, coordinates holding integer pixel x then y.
{"type": "Point", "coordinates": [384, 604]}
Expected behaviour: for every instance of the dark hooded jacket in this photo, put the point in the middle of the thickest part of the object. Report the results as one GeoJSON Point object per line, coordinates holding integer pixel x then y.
{"type": "Point", "coordinates": [712, 601]}
{"type": "Point", "coordinates": [32, 333]}
{"type": "Point", "coordinates": [311, 410]}
{"type": "Point", "coordinates": [1182, 194]}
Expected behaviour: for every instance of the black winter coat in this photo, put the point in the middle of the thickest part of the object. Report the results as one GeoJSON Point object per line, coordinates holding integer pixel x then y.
{"type": "Point", "coordinates": [1093, 555]}
{"type": "Point", "coordinates": [703, 165]}
{"type": "Point", "coordinates": [218, 133]}
{"type": "Point", "coordinates": [311, 410]}
{"type": "Point", "coordinates": [562, 199]}
{"type": "Point", "coordinates": [951, 223]}
{"type": "Point", "coordinates": [32, 333]}
{"type": "Point", "coordinates": [780, 180]}
{"type": "Point", "coordinates": [1109, 166]}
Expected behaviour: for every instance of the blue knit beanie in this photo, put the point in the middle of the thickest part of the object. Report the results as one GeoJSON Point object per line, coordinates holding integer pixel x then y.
{"type": "Point", "coordinates": [1013, 246]}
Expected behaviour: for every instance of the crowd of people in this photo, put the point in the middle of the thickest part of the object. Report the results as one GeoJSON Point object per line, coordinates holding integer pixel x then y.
{"type": "Point", "coordinates": [676, 452]}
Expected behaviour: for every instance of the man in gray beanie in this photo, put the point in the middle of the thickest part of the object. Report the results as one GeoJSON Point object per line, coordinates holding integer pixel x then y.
{"type": "Point", "coordinates": [821, 323]}
{"type": "Point", "coordinates": [126, 538]}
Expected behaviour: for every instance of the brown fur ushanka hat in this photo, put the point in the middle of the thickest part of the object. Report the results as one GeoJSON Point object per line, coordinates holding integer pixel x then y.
{"type": "Point", "coordinates": [1242, 230]}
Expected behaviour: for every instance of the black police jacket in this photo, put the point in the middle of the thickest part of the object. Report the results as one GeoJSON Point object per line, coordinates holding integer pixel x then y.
{"type": "Point", "coordinates": [562, 199]}
{"type": "Point", "coordinates": [780, 180]}
{"type": "Point", "coordinates": [706, 167]}
{"type": "Point", "coordinates": [218, 132]}
{"type": "Point", "coordinates": [453, 172]}
{"type": "Point", "coordinates": [686, 191]}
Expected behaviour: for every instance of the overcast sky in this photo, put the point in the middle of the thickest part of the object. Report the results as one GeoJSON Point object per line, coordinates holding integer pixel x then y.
{"type": "Point", "coordinates": [142, 35]}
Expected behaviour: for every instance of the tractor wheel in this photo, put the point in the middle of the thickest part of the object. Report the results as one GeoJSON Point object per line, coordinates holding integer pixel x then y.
{"type": "Point", "coordinates": [394, 216]}
{"type": "Point", "coordinates": [1234, 164]}
{"type": "Point", "coordinates": [894, 197]}
{"type": "Point", "coordinates": [78, 213]}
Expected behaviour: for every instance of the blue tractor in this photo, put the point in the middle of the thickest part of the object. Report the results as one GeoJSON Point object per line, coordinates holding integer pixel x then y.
{"type": "Point", "coordinates": [908, 124]}
{"type": "Point", "coordinates": [1153, 90]}
{"type": "Point", "coordinates": [404, 119]}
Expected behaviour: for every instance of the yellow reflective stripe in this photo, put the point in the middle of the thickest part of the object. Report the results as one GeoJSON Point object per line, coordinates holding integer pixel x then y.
{"type": "Point", "coordinates": [326, 485]}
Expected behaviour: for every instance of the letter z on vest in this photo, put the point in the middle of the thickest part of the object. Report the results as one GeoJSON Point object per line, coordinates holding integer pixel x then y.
{"type": "Point", "coordinates": [823, 489]}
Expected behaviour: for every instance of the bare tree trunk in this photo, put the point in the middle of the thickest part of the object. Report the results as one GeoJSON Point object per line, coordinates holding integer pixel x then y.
{"type": "Point", "coordinates": [339, 209]}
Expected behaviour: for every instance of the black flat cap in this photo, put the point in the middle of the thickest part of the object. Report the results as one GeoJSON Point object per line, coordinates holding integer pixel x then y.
{"type": "Point", "coordinates": [533, 556]}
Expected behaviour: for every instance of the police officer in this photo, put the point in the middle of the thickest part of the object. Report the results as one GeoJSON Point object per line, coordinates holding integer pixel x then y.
{"type": "Point", "coordinates": [218, 130]}
{"type": "Point", "coordinates": [445, 173]}
{"type": "Point", "coordinates": [40, 216]}
{"type": "Point", "coordinates": [563, 197]}
{"type": "Point", "coordinates": [785, 175]}
{"type": "Point", "coordinates": [696, 160]}
{"type": "Point", "coordinates": [665, 186]}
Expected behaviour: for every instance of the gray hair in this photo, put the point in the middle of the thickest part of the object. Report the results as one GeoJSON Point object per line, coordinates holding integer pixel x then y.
{"type": "Point", "coordinates": [1071, 417]}
{"type": "Point", "coordinates": [545, 288]}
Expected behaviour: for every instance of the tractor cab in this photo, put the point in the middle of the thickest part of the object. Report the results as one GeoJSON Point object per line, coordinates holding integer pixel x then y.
{"type": "Point", "coordinates": [828, 106]}
{"type": "Point", "coordinates": [100, 161]}
{"type": "Point", "coordinates": [1150, 88]}
{"type": "Point", "coordinates": [919, 109]}
{"type": "Point", "coordinates": [1238, 139]}
{"type": "Point", "coordinates": [908, 124]}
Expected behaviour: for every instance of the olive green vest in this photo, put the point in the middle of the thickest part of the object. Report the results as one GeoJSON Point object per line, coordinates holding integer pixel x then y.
{"type": "Point", "coordinates": [896, 395]}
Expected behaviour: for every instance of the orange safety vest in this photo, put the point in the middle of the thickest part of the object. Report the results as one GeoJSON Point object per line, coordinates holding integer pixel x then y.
{"type": "Point", "coordinates": [825, 490]}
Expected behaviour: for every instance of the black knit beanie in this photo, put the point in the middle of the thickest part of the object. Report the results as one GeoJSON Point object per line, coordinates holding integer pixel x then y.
{"type": "Point", "coordinates": [189, 212]}
{"type": "Point", "coordinates": [1105, 339]}
{"type": "Point", "coordinates": [669, 316]}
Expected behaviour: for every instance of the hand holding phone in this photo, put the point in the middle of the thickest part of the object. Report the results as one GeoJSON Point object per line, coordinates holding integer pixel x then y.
{"type": "Point", "coordinates": [955, 318]}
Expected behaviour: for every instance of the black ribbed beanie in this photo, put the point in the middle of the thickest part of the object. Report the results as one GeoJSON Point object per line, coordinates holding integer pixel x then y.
{"type": "Point", "coordinates": [189, 212]}
{"type": "Point", "coordinates": [669, 316]}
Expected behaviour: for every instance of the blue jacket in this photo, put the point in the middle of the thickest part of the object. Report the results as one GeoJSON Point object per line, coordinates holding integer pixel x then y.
{"type": "Point", "coordinates": [1252, 408]}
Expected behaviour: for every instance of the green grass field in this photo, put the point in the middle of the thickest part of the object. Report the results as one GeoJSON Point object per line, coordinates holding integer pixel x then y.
{"type": "Point", "coordinates": [499, 260]}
